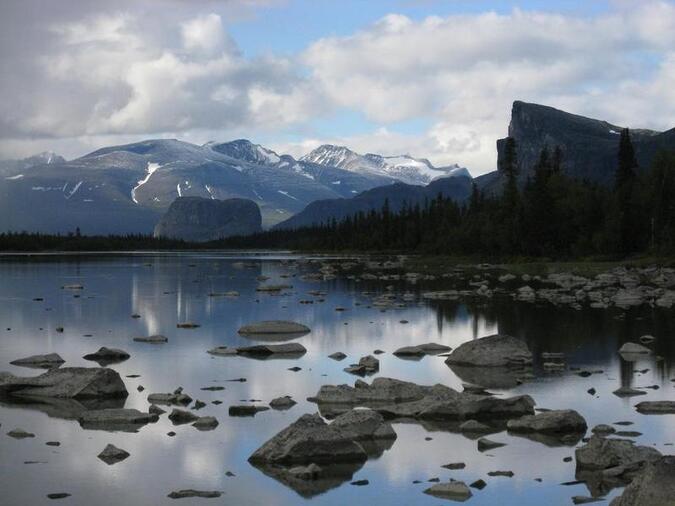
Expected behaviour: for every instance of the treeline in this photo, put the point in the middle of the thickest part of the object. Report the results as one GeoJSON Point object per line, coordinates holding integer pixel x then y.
{"type": "Point", "coordinates": [32, 242]}
{"type": "Point", "coordinates": [548, 215]}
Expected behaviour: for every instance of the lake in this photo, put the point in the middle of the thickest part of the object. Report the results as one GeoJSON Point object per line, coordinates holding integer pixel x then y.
{"type": "Point", "coordinates": [166, 289]}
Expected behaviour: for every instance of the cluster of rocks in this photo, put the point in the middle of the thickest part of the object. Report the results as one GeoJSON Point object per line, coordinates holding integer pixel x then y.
{"type": "Point", "coordinates": [401, 399]}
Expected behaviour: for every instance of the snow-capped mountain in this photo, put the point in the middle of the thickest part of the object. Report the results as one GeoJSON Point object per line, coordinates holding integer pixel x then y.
{"type": "Point", "coordinates": [404, 168]}
{"type": "Point", "coordinates": [125, 189]}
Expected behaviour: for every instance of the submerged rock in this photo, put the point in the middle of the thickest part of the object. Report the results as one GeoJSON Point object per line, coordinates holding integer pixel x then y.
{"type": "Point", "coordinates": [66, 383]}
{"type": "Point", "coordinates": [246, 410]}
{"type": "Point", "coordinates": [273, 328]}
{"type": "Point", "coordinates": [155, 339]}
{"type": "Point", "coordinates": [656, 407]}
{"type": "Point", "coordinates": [49, 361]}
{"type": "Point", "coordinates": [183, 494]}
{"type": "Point", "coordinates": [128, 420]}
{"type": "Point", "coordinates": [453, 490]}
{"type": "Point", "coordinates": [653, 486]}
{"type": "Point", "coordinates": [628, 392]}
{"type": "Point", "coordinates": [491, 351]}
{"type": "Point", "coordinates": [421, 350]}
{"type": "Point", "coordinates": [266, 350]}
{"type": "Point", "coordinates": [177, 399]}
{"type": "Point", "coordinates": [106, 356]}
{"type": "Point", "coordinates": [20, 434]}
{"type": "Point", "coordinates": [338, 355]}
{"type": "Point", "coordinates": [112, 455]}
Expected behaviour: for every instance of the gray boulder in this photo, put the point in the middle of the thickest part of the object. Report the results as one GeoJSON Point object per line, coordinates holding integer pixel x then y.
{"type": "Point", "coordinates": [180, 416]}
{"type": "Point", "coordinates": [112, 455]}
{"type": "Point", "coordinates": [656, 407]}
{"type": "Point", "coordinates": [199, 219]}
{"type": "Point", "coordinates": [601, 453]}
{"type": "Point", "coordinates": [491, 351]}
{"type": "Point", "coordinates": [550, 422]}
{"type": "Point", "coordinates": [400, 399]}
{"type": "Point", "coordinates": [66, 383]}
{"type": "Point", "coordinates": [177, 399]}
{"type": "Point", "coordinates": [205, 423]}
{"type": "Point", "coordinates": [310, 440]}
{"type": "Point", "coordinates": [282, 403]}
{"type": "Point", "coordinates": [653, 486]}
{"type": "Point", "coordinates": [49, 361]}
{"type": "Point", "coordinates": [452, 490]}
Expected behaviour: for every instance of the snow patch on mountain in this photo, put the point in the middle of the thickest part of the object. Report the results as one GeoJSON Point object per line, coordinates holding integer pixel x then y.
{"type": "Point", "coordinates": [405, 168]}
{"type": "Point", "coordinates": [150, 170]}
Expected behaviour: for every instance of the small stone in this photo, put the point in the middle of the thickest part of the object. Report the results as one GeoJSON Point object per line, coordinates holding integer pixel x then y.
{"type": "Point", "coordinates": [478, 484]}
{"type": "Point", "coordinates": [508, 474]}
{"type": "Point", "coordinates": [485, 444]}
{"type": "Point", "coordinates": [112, 455]}
{"type": "Point", "coordinates": [20, 434]}
{"type": "Point", "coordinates": [182, 494]}
{"type": "Point", "coordinates": [58, 495]}
{"type": "Point", "coordinates": [360, 483]}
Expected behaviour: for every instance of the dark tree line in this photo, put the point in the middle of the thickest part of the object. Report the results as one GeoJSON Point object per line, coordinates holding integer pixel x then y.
{"type": "Point", "coordinates": [551, 215]}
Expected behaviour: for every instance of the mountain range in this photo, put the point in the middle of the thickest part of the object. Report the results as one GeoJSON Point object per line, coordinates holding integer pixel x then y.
{"type": "Point", "coordinates": [127, 188]}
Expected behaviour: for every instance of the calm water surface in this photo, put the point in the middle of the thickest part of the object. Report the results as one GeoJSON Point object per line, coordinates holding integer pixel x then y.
{"type": "Point", "coordinates": [167, 289]}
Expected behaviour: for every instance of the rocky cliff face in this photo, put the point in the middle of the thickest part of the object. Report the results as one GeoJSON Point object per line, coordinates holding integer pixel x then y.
{"type": "Point", "coordinates": [198, 219]}
{"type": "Point", "coordinates": [589, 146]}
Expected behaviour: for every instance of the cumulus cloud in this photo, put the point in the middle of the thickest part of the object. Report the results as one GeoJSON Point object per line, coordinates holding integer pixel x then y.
{"type": "Point", "coordinates": [464, 71]}
{"type": "Point", "coordinates": [122, 72]}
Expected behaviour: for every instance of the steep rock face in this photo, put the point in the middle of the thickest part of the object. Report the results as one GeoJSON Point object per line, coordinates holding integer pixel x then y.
{"type": "Point", "coordinates": [200, 219]}
{"type": "Point", "coordinates": [322, 211]}
{"type": "Point", "coordinates": [589, 146]}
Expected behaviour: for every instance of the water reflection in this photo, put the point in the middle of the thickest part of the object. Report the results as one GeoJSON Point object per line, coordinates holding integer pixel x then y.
{"type": "Point", "coordinates": [167, 289]}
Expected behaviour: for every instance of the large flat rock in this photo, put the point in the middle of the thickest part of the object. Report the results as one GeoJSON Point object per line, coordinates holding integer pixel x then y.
{"type": "Point", "coordinates": [66, 383]}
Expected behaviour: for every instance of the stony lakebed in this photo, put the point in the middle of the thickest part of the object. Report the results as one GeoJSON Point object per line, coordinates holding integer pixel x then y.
{"type": "Point", "coordinates": [281, 379]}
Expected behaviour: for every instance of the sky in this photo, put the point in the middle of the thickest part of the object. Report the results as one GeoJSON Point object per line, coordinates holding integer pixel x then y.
{"type": "Point", "coordinates": [430, 78]}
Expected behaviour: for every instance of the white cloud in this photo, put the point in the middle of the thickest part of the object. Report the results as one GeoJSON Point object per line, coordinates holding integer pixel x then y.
{"type": "Point", "coordinates": [131, 71]}
{"type": "Point", "coordinates": [463, 72]}
{"type": "Point", "coordinates": [204, 33]}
